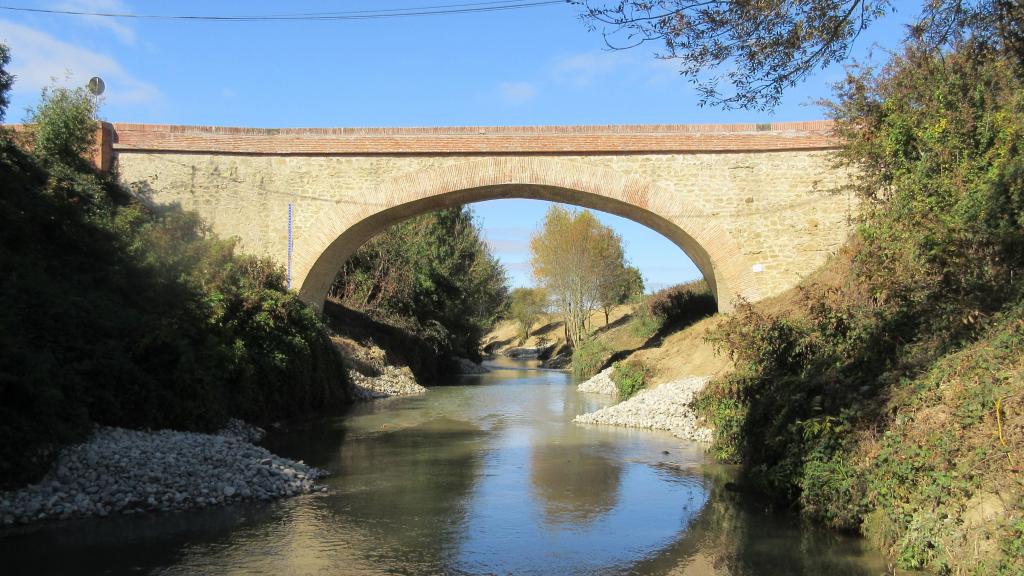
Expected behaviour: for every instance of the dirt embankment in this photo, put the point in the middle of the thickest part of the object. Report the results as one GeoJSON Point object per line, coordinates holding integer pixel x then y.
{"type": "Point", "coordinates": [382, 360]}
{"type": "Point", "coordinates": [547, 337]}
{"type": "Point", "coordinates": [672, 356]}
{"type": "Point", "coordinates": [684, 354]}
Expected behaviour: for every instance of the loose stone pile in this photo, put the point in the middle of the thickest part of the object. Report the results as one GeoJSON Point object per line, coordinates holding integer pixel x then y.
{"type": "Point", "coordinates": [667, 407]}
{"type": "Point", "coordinates": [122, 471]}
{"type": "Point", "coordinates": [243, 431]}
{"type": "Point", "coordinates": [467, 366]}
{"type": "Point", "coordinates": [392, 381]}
{"type": "Point", "coordinates": [601, 383]}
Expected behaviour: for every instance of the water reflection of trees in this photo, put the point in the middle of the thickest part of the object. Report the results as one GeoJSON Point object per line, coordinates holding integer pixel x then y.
{"type": "Point", "coordinates": [736, 535]}
{"type": "Point", "coordinates": [407, 490]}
{"type": "Point", "coordinates": [576, 483]}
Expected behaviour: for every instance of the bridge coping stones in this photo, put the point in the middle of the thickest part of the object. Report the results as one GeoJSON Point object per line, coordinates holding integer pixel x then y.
{"type": "Point", "coordinates": [667, 138]}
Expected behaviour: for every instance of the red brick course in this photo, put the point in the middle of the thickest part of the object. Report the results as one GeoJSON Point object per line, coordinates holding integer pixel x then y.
{"type": "Point", "coordinates": [692, 138]}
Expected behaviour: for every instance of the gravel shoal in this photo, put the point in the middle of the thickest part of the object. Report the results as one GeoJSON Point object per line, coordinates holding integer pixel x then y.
{"type": "Point", "coordinates": [121, 471]}
{"type": "Point", "coordinates": [667, 407]}
{"type": "Point", "coordinates": [392, 381]}
{"type": "Point", "coordinates": [467, 366]}
{"type": "Point", "coordinates": [600, 383]}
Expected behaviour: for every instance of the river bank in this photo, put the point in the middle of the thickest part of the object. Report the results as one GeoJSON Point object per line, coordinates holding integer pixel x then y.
{"type": "Point", "coordinates": [119, 471]}
{"type": "Point", "coordinates": [487, 474]}
{"type": "Point", "coordinates": [668, 406]}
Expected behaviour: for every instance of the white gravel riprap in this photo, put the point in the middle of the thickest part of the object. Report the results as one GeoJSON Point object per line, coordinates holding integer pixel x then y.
{"type": "Point", "coordinates": [667, 407]}
{"type": "Point", "coordinates": [121, 471]}
{"type": "Point", "coordinates": [392, 381]}
{"type": "Point", "coordinates": [601, 383]}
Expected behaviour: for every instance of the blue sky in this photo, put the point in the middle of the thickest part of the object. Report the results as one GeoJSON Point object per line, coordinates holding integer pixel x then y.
{"type": "Point", "coordinates": [528, 67]}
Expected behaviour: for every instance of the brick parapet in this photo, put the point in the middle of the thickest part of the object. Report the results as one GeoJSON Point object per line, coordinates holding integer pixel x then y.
{"type": "Point", "coordinates": [695, 138]}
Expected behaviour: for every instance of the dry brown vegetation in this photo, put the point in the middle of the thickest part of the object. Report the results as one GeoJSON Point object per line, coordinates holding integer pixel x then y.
{"type": "Point", "coordinates": [549, 329]}
{"type": "Point", "coordinates": [677, 355]}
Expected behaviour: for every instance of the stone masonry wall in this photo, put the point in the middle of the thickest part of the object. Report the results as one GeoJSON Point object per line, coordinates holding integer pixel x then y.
{"type": "Point", "coordinates": [779, 211]}
{"type": "Point", "coordinates": [777, 205]}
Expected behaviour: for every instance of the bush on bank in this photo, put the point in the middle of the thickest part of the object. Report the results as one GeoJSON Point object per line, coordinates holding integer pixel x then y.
{"type": "Point", "coordinates": [673, 308]}
{"type": "Point", "coordinates": [120, 314]}
{"type": "Point", "coordinates": [630, 377]}
{"type": "Point", "coordinates": [888, 398]}
{"type": "Point", "coordinates": [683, 303]}
{"type": "Point", "coordinates": [588, 357]}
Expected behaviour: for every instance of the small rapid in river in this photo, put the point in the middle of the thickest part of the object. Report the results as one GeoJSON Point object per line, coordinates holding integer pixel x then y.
{"type": "Point", "coordinates": [487, 476]}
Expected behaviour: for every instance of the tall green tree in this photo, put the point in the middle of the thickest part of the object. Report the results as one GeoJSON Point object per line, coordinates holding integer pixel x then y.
{"type": "Point", "coordinates": [120, 314]}
{"type": "Point", "coordinates": [65, 125]}
{"type": "Point", "coordinates": [525, 306]}
{"type": "Point", "coordinates": [620, 285]}
{"type": "Point", "coordinates": [433, 273]}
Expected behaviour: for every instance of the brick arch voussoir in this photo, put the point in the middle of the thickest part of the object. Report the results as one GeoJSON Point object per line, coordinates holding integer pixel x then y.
{"type": "Point", "coordinates": [339, 231]}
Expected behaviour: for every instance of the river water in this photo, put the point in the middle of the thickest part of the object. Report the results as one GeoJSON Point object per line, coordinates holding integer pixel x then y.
{"type": "Point", "coordinates": [488, 476]}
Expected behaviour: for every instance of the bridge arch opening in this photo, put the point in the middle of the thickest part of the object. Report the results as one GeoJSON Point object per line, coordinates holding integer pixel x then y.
{"type": "Point", "coordinates": [337, 234]}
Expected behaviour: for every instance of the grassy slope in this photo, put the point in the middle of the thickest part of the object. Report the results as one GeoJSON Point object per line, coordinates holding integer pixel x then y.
{"type": "Point", "coordinates": [945, 476]}
{"type": "Point", "coordinates": [671, 356]}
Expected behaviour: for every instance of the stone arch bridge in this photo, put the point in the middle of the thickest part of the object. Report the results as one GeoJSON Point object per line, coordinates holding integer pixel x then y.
{"type": "Point", "coordinates": [755, 206]}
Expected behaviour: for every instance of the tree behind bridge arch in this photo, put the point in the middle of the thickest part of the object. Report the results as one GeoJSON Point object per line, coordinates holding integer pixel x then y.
{"type": "Point", "coordinates": [433, 273]}
{"type": "Point", "coordinates": [621, 284]}
{"type": "Point", "coordinates": [524, 306]}
{"type": "Point", "coordinates": [576, 259]}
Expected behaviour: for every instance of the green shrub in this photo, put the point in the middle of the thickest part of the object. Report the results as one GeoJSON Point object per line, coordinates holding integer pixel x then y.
{"type": "Point", "coordinates": [644, 324]}
{"type": "Point", "coordinates": [120, 315]}
{"type": "Point", "coordinates": [673, 307]}
{"type": "Point", "coordinates": [683, 303]}
{"type": "Point", "coordinates": [64, 125]}
{"type": "Point", "coordinates": [630, 377]}
{"type": "Point", "coordinates": [588, 356]}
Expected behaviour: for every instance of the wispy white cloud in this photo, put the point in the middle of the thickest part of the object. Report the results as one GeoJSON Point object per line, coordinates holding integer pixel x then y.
{"type": "Point", "coordinates": [517, 92]}
{"type": "Point", "coordinates": [583, 69]}
{"type": "Point", "coordinates": [38, 59]}
{"type": "Point", "coordinates": [125, 33]}
{"type": "Point", "coordinates": [663, 70]}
